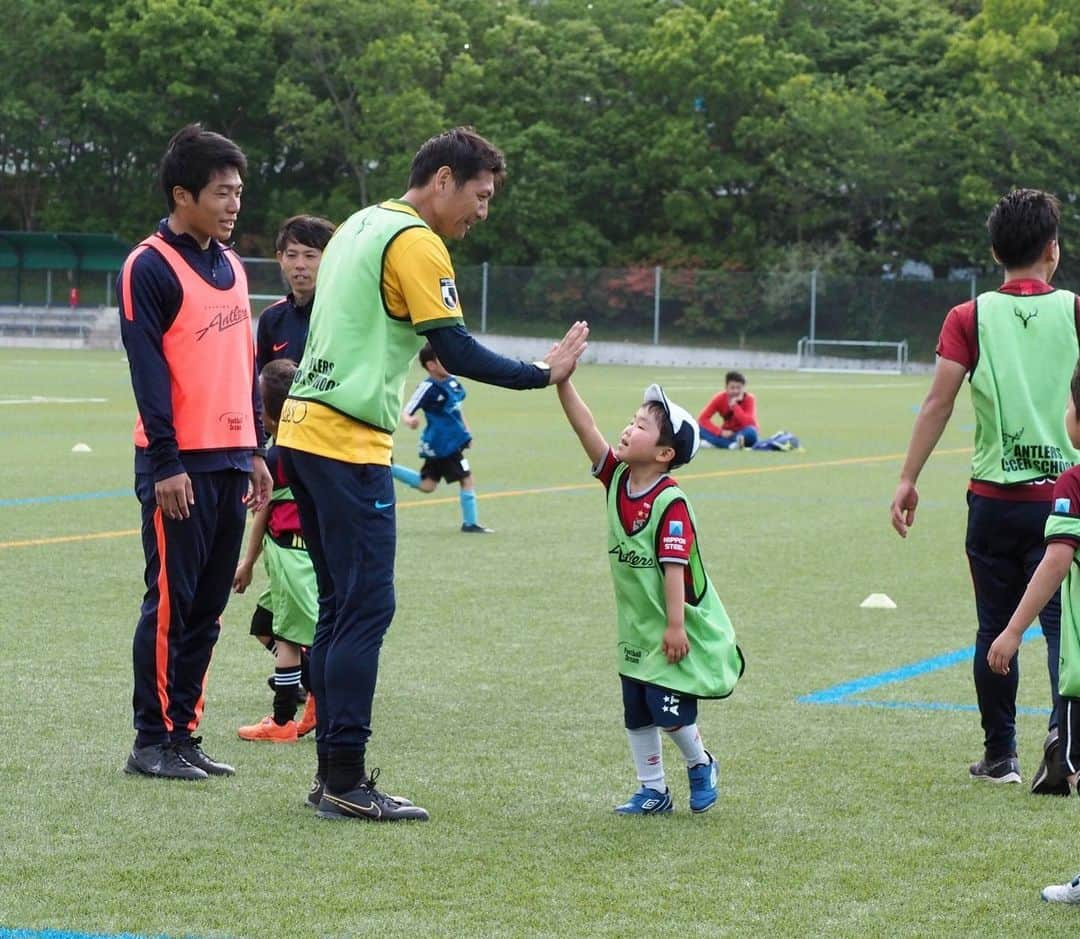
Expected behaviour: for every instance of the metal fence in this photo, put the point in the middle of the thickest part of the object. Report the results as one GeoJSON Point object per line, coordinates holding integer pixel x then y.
{"type": "Point", "coordinates": [766, 311]}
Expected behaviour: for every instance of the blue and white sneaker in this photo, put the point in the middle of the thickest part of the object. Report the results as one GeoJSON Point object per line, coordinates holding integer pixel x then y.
{"type": "Point", "coordinates": [646, 801]}
{"type": "Point", "coordinates": [1063, 893]}
{"type": "Point", "coordinates": [703, 785]}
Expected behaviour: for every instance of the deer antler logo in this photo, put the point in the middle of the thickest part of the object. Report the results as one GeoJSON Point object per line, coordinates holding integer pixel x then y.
{"type": "Point", "coordinates": [1008, 440]}
{"type": "Point", "coordinates": [1024, 318]}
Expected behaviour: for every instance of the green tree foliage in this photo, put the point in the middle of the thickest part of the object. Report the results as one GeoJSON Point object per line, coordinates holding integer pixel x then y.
{"type": "Point", "coordinates": [359, 88]}
{"type": "Point", "coordinates": [165, 63]}
{"type": "Point", "coordinates": [705, 133]}
{"type": "Point", "coordinates": [45, 57]}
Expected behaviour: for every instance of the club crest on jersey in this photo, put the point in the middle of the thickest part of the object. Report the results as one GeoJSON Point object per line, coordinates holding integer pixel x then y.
{"type": "Point", "coordinates": [1062, 506]}
{"type": "Point", "coordinates": [449, 292]}
{"type": "Point", "coordinates": [641, 519]}
{"type": "Point", "coordinates": [675, 528]}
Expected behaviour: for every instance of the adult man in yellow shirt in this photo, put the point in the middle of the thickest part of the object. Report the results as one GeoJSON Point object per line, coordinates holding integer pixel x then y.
{"type": "Point", "coordinates": [385, 286]}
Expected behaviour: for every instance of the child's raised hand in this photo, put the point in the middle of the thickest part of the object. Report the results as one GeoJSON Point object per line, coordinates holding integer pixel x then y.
{"type": "Point", "coordinates": [1002, 651]}
{"type": "Point", "coordinates": [676, 645]}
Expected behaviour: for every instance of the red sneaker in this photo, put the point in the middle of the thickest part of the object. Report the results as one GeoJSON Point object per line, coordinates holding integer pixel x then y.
{"type": "Point", "coordinates": [306, 724]}
{"type": "Point", "coordinates": [266, 730]}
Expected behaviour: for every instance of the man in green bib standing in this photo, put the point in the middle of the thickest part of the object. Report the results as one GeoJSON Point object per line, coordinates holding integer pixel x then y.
{"type": "Point", "coordinates": [1018, 345]}
{"type": "Point", "coordinates": [385, 286]}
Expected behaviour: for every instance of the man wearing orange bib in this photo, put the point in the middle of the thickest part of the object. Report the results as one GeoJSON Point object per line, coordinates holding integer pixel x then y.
{"type": "Point", "coordinates": [185, 321]}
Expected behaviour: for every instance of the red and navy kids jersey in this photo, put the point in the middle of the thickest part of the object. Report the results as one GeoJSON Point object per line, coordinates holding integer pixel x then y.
{"type": "Point", "coordinates": [282, 331]}
{"type": "Point", "coordinates": [284, 517]}
{"type": "Point", "coordinates": [676, 530]}
{"type": "Point", "coordinates": [1067, 502]}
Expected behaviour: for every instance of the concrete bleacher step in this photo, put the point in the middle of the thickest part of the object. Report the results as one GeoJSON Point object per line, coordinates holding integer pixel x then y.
{"type": "Point", "coordinates": [24, 325]}
{"type": "Point", "coordinates": [105, 333]}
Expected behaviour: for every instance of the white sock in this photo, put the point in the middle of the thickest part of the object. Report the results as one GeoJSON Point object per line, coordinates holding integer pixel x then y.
{"type": "Point", "coordinates": [648, 760]}
{"type": "Point", "coordinates": [688, 739]}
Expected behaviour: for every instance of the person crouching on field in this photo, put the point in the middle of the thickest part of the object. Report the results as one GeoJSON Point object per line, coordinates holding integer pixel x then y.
{"type": "Point", "coordinates": [675, 641]}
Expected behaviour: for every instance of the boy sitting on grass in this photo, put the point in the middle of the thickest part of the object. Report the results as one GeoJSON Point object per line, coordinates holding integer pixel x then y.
{"type": "Point", "coordinates": [675, 642]}
{"type": "Point", "coordinates": [738, 409]}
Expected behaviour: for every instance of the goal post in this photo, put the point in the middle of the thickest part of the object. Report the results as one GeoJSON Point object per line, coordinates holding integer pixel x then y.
{"type": "Point", "coordinates": [852, 355]}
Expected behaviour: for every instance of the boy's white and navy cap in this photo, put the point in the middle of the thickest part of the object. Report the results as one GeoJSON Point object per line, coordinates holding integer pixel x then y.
{"type": "Point", "coordinates": [685, 428]}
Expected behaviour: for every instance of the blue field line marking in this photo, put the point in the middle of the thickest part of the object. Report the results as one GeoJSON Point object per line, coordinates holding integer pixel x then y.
{"type": "Point", "coordinates": [58, 934]}
{"type": "Point", "coordinates": [927, 706]}
{"type": "Point", "coordinates": [844, 692]}
{"type": "Point", "coordinates": [74, 497]}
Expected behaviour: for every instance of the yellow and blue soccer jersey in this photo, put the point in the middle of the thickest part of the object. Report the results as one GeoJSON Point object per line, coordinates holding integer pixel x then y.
{"type": "Point", "coordinates": [385, 279]}
{"type": "Point", "coordinates": [445, 432]}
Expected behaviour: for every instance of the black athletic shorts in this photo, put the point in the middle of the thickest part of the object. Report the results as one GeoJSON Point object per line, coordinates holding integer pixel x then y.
{"type": "Point", "coordinates": [453, 468]}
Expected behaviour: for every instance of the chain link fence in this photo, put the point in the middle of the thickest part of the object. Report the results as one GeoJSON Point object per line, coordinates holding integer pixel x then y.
{"type": "Point", "coordinates": [759, 311]}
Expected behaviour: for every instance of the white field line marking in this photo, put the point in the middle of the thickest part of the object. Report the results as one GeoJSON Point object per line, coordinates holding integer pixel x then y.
{"type": "Point", "coordinates": [41, 399]}
{"type": "Point", "coordinates": [541, 490]}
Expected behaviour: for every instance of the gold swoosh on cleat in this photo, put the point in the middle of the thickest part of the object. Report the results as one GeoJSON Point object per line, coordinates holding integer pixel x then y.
{"type": "Point", "coordinates": [371, 810]}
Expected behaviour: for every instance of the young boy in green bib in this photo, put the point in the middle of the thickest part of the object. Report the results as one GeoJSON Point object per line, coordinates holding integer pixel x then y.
{"type": "Point", "coordinates": [290, 605]}
{"type": "Point", "coordinates": [1057, 568]}
{"type": "Point", "coordinates": [675, 642]}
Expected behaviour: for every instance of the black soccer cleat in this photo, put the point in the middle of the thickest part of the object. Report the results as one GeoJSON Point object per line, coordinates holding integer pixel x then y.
{"type": "Point", "coordinates": [1050, 778]}
{"type": "Point", "coordinates": [367, 803]}
{"type": "Point", "coordinates": [315, 792]}
{"type": "Point", "coordinates": [190, 750]}
{"type": "Point", "coordinates": [318, 786]}
{"type": "Point", "coordinates": [161, 761]}
{"type": "Point", "coordinates": [1004, 770]}
{"type": "Point", "coordinates": [476, 529]}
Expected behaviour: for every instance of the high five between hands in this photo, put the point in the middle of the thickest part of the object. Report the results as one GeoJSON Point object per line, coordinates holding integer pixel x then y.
{"type": "Point", "coordinates": [563, 357]}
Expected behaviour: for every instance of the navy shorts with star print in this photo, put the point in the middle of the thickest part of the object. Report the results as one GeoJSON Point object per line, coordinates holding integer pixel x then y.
{"type": "Point", "coordinates": [646, 705]}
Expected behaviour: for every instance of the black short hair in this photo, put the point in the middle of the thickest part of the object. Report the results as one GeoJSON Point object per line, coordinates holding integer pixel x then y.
{"type": "Point", "coordinates": [464, 151]}
{"type": "Point", "coordinates": [193, 156]}
{"type": "Point", "coordinates": [666, 437]}
{"type": "Point", "coordinates": [427, 354]}
{"type": "Point", "coordinates": [1022, 224]}
{"type": "Point", "coordinates": [1074, 388]}
{"type": "Point", "coordinates": [309, 230]}
{"type": "Point", "coordinates": [275, 380]}
{"type": "Point", "coordinates": [735, 376]}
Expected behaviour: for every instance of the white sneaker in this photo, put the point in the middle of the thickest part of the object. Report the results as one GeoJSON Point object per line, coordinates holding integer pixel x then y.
{"type": "Point", "coordinates": [1063, 893]}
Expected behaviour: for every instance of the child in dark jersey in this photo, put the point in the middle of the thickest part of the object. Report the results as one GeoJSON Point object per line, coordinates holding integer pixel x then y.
{"type": "Point", "coordinates": [443, 440]}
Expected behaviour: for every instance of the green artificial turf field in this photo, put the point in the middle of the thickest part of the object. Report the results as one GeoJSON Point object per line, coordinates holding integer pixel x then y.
{"type": "Point", "coordinates": [498, 706]}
